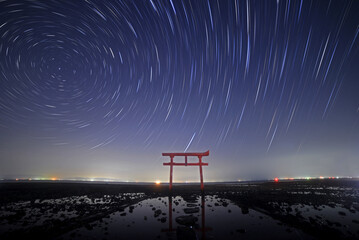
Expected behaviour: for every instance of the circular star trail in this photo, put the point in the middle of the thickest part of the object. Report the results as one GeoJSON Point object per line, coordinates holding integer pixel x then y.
{"type": "Point", "coordinates": [246, 79]}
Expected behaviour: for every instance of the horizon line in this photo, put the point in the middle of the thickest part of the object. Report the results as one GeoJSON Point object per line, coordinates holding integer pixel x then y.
{"type": "Point", "coordinates": [94, 180]}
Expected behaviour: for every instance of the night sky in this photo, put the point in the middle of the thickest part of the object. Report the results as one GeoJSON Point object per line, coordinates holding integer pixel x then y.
{"type": "Point", "coordinates": [99, 89]}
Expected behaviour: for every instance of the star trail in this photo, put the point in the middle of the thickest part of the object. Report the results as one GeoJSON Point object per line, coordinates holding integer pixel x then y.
{"type": "Point", "coordinates": [102, 88]}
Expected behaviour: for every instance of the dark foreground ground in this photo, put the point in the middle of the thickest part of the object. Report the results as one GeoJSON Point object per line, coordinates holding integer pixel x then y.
{"type": "Point", "coordinates": [312, 209]}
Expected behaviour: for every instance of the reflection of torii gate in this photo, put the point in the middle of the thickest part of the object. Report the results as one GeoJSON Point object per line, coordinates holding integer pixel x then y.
{"type": "Point", "coordinates": [203, 229]}
{"type": "Point", "coordinates": [199, 163]}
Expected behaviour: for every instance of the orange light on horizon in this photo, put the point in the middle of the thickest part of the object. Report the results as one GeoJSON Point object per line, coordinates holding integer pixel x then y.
{"type": "Point", "coordinates": [53, 179]}
{"type": "Point", "coordinates": [158, 182]}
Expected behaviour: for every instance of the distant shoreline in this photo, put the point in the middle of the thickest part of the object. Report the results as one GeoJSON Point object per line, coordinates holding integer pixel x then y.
{"type": "Point", "coordinates": [166, 183]}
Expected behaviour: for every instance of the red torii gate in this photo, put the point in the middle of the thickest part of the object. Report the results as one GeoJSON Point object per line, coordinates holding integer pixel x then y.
{"type": "Point", "coordinates": [199, 163]}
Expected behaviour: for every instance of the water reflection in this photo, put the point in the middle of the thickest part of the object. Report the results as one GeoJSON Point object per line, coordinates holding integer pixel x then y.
{"type": "Point", "coordinates": [185, 217]}
{"type": "Point", "coordinates": [202, 229]}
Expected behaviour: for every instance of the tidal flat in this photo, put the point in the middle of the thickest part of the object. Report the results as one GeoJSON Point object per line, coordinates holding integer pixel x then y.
{"type": "Point", "coordinates": [297, 209]}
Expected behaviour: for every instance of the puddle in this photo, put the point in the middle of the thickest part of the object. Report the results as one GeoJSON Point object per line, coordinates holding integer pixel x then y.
{"type": "Point", "coordinates": [160, 218]}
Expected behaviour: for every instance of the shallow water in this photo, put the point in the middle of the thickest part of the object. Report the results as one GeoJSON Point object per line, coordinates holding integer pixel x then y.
{"type": "Point", "coordinates": [219, 219]}
{"type": "Point", "coordinates": [41, 212]}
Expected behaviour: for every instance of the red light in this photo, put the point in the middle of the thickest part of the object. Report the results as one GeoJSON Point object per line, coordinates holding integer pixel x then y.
{"type": "Point", "coordinates": [276, 179]}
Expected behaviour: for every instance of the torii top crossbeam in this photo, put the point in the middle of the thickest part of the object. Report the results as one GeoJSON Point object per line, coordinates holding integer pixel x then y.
{"type": "Point", "coordinates": [187, 154]}
{"type": "Point", "coordinates": [192, 154]}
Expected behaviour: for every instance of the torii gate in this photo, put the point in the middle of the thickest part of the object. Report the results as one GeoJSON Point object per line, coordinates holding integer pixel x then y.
{"type": "Point", "coordinates": [199, 163]}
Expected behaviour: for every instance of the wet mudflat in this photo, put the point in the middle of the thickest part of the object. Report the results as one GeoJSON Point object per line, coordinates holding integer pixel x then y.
{"type": "Point", "coordinates": [194, 217]}
{"type": "Point", "coordinates": [315, 209]}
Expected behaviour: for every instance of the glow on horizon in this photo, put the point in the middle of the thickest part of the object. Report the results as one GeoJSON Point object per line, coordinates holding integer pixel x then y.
{"type": "Point", "coordinates": [158, 182]}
